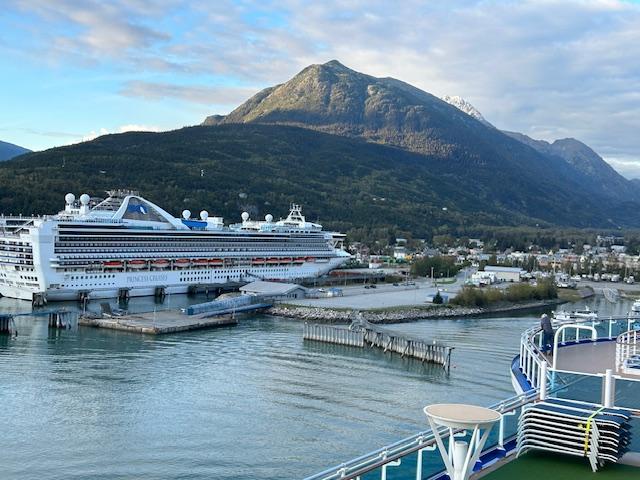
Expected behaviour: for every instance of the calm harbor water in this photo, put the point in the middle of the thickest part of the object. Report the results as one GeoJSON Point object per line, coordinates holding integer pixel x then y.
{"type": "Point", "coordinates": [252, 401]}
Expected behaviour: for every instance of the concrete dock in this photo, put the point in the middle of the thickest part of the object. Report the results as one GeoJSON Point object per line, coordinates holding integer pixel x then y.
{"type": "Point", "coordinates": [157, 323]}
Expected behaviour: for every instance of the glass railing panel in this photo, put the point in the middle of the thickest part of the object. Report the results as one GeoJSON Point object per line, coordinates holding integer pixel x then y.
{"type": "Point", "coordinates": [408, 468]}
{"type": "Point", "coordinates": [627, 394]}
{"type": "Point", "coordinates": [571, 386]}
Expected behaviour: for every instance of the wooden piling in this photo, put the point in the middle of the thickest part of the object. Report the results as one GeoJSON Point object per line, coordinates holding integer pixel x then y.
{"type": "Point", "coordinates": [62, 319]}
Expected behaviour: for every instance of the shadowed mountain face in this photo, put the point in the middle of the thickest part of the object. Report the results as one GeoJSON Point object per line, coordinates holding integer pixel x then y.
{"type": "Point", "coordinates": [9, 150]}
{"type": "Point", "coordinates": [590, 169]}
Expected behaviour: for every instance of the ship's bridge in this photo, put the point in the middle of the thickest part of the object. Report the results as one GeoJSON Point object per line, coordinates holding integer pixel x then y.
{"type": "Point", "coordinates": [120, 206]}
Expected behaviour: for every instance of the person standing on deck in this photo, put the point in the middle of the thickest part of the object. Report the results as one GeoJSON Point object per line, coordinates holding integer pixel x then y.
{"type": "Point", "coordinates": [547, 332]}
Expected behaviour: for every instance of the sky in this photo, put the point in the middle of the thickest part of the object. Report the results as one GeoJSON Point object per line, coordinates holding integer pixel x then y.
{"type": "Point", "coordinates": [74, 69]}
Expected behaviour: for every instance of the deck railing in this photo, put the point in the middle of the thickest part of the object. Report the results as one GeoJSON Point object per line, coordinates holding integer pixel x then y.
{"type": "Point", "coordinates": [409, 454]}
{"type": "Point", "coordinates": [628, 352]}
{"type": "Point", "coordinates": [531, 347]}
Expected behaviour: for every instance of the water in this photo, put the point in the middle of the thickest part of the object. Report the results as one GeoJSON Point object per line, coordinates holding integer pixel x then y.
{"type": "Point", "coordinates": [252, 401]}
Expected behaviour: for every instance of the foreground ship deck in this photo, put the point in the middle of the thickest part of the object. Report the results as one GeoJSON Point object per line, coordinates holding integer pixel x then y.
{"type": "Point", "coordinates": [582, 399]}
{"type": "Point", "coordinates": [127, 246]}
{"type": "Point", "coordinates": [536, 466]}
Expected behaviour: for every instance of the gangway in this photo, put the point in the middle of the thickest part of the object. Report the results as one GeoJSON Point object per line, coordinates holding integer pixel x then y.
{"type": "Point", "coordinates": [240, 303]}
{"type": "Point", "coordinates": [60, 318]}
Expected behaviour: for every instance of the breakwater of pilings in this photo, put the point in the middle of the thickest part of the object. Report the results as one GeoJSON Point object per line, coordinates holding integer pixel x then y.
{"type": "Point", "coordinates": [362, 334]}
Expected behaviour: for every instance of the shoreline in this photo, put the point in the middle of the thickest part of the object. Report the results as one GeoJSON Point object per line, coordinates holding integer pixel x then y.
{"type": "Point", "coordinates": [401, 314]}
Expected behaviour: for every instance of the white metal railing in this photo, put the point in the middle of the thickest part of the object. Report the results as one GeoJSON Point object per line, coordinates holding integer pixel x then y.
{"type": "Point", "coordinates": [531, 357]}
{"type": "Point", "coordinates": [394, 454]}
{"type": "Point", "coordinates": [538, 371]}
{"type": "Point", "coordinates": [574, 326]}
{"type": "Point", "coordinates": [531, 347]}
{"type": "Point", "coordinates": [628, 352]}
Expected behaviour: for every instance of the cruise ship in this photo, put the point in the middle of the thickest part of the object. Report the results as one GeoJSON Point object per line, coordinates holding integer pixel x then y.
{"type": "Point", "coordinates": [126, 246]}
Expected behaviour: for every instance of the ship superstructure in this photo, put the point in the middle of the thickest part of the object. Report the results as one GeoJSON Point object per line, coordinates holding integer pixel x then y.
{"type": "Point", "coordinates": [99, 248]}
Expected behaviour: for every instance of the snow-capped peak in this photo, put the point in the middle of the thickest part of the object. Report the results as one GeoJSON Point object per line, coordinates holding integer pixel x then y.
{"type": "Point", "coordinates": [461, 104]}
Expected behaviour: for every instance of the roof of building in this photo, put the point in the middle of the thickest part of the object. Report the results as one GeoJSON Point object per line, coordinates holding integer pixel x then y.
{"type": "Point", "coordinates": [261, 287]}
{"type": "Point", "coordinates": [494, 268]}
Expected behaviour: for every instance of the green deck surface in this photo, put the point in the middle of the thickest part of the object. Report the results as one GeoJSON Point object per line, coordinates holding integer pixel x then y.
{"type": "Point", "coordinates": [543, 466]}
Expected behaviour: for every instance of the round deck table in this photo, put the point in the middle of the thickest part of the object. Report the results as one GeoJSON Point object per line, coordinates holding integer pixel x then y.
{"type": "Point", "coordinates": [461, 456]}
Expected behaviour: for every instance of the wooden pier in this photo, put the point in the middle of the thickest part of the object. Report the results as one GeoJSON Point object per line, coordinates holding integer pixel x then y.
{"type": "Point", "coordinates": [157, 323]}
{"type": "Point", "coordinates": [362, 334]}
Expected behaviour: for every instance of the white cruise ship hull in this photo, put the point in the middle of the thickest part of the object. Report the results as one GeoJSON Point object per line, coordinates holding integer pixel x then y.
{"type": "Point", "coordinates": [142, 283]}
{"type": "Point", "coordinates": [132, 248]}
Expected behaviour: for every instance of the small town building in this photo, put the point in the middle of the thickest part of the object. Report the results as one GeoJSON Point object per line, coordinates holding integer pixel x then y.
{"type": "Point", "coordinates": [274, 290]}
{"type": "Point", "coordinates": [483, 278]}
{"type": "Point", "coordinates": [400, 253]}
{"type": "Point", "coordinates": [505, 274]}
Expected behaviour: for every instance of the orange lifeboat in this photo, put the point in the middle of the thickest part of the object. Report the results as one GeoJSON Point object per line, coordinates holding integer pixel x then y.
{"type": "Point", "coordinates": [113, 264]}
{"type": "Point", "coordinates": [216, 262]}
{"type": "Point", "coordinates": [273, 261]}
{"type": "Point", "coordinates": [136, 264]}
{"type": "Point", "coordinates": [160, 263]}
{"type": "Point", "coordinates": [299, 260]}
{"type": "Point", "coordinates": [182, 262]}
{"type": "Point", "coordinates": [258, 261]}
{"type": "Point", "coordinates": [286, 260]}
{"type": "Point", "coordinates": [200, 262]}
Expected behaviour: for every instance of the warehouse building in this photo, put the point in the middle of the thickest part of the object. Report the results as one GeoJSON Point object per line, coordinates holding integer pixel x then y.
{"type": "Point", "coordinates": [505, 274]}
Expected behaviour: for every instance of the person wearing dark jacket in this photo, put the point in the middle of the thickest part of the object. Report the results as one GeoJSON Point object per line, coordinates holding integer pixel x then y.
{"type": "Point", "coordinates": [547, 333]}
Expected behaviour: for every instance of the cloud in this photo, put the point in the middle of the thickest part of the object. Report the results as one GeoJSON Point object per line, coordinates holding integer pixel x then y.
{"type": "Point", "coordinates": [627, 166]}
{"type": "Point", "coordinates": [548, 68]}
{"type": "Point", "coordinates": [194, 94]}
{"type": "Point", "coordinates": [138, 128]}
{"type": "Point", "coordinates": [93, 134]}
{"type": "Point", "coordinates": [91, 28]}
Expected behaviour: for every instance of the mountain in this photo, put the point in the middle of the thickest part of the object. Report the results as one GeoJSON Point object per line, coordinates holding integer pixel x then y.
{"type": "Point", "coordinates": [590, 169]}
{"type": "Point", "coordinates": [335, 99]}
{"type": "Point", "coordinates": [338, 100]}
{"type": "Point", "coordinates": [9, 150]}
{"type": "Point", "coordinates": [261, 169]}
{"type": "Point", "coordinates": [360, 153]}
{"type": "Point", "coordinates": [461, 104]}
